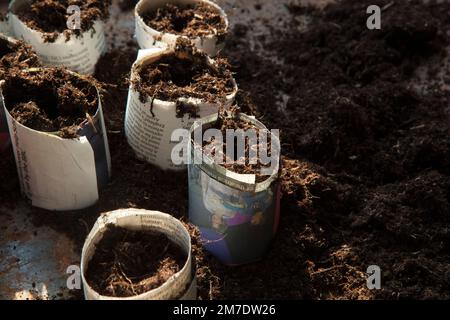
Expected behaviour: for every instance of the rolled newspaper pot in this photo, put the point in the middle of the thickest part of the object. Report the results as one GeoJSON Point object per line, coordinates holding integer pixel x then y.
{"type": "Point", "coordinates": [56, 173]}
{"type": "Point", "coordinates": [148, 37]}
{"type": "Point", "coordinates": [149, 126]}
{"type": "Point", "coordinates": [237, 216]}
{"type": "Point", "coordinates": [181, 286]}
{"type": "Point", "coordinates": [79, 53]}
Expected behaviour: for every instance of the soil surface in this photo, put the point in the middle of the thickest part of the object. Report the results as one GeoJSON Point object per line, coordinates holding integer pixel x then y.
{"type": "Point", "coordinates": [365, 127]}
{"type": "Point", "coordinates": [128, 263]}
{"type": "Point", "coordinates": [194, 20]}
{"type": "Point", "coordinates": [250, 163]}
{"type": "Point", "coordinates": [15, 56]}
{"type": "Point", "coordinates": [51, 100]}
{"type": "Point", "coordinates": [184, 73]}
{"type": "Point", "coordinates": [50, 16]}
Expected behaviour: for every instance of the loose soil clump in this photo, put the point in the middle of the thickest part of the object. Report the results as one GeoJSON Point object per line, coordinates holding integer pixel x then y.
{"type": "Point", "coordinates": [128, 263]}
{"type": "Point", "coordinates": [51, 100]}
{"type": "Point", "coordinates": [184, 73]}
{"type": "Point", "coordinates": [50, 16]}
{"type": "Point", "coordinates": [193, 20]}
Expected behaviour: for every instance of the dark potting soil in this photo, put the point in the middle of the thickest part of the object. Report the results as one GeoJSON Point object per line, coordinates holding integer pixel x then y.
{"type": "Point", "coordinates": [184, 73]}
{"type": "Point", "coordinates": [128, 263]}
{"type": "Point", "coordinates": [126, 5]}
{"type": "Point", "coordinates": [50, 16]}
{"type": "Point", "coordinates": [355, 193]}
{"type": "Point", "coordinates": [15, 56]}
{"type": "Point", "coordinates": [193, 20]}
{"type": "Point", "coordinates": [251, 164]}
{"type": "Point", "coordinates": [51, 100]}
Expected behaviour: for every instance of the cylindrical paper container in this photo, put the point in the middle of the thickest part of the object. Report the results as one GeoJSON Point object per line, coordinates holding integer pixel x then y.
{"type": "Point", "coordinates": [61, 174]}
{"type": "Point", "coordinates": [148, 37]}
{"type": "Point", "coordinates": [79, 54]}
{"type": "Point", "coordinates": [149, 134]}
{"type": "Point", "coordinates": [237, 217]}
{"type": "Point", "coordinates": [182, 285]}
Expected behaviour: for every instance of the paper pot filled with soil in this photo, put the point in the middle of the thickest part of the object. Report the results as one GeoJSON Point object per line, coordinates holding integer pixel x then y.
{"type": "Point", "coordinates": [58, 135]}
{"type": "Point", "coordinates": [161, 22]}
{"type": "Point", "coordinates": [44, 25]}
{"type": "Point", "coordinates": [169, 89]}
{"type": "Point", "coordinates": [14, 55]}
{"type": "Point", "coordinates": [236, 206]}
{"type": "Point", "coordinates": [133, 254]}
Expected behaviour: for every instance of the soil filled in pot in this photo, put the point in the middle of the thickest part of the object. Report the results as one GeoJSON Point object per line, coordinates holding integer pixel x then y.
{"type": "Point", "coordinates": [184, 73]}
{"type": "Point", "coordinates": [251, 164]}
{"type": "Point", "coordinates": [191, 20]}
{"type": "Point", "coordinates": [128, 263]}
{"type": "Point", "coordinates": [50, 16]}
{"type": "Point", "coordinates": [235, 205]}
{"type": "Point", "coordinates": [51, 100]}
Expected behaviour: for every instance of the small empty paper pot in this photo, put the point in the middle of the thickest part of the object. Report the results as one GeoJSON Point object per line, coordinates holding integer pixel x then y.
{"type": "Point", "coordinates": [58, 173]}
{"type": "Point", "coordinates": [182, 285]}
{"type": "Point", "coordinates": [149, 126]}
{"type": "Point", "coordinates": [237, 216]}
{"type": "Point", "coordinates": [79, 53]}
{"type": "Point", "coordinates": [148, 37]}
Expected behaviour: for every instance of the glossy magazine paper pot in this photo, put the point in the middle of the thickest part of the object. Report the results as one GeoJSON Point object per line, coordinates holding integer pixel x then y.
{"type": "Point", "coordinates": [236, 215]}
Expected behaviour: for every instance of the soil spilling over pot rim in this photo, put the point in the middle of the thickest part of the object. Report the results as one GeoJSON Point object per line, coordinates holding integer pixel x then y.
{"type": "Point", "coordinates": [15, 56]}
{"type": "Point", "coordinates": [128, 263]}
{"type": "Point", "coordinates": [192, 20]}
{"type": "Point", "coordinates": [217, 150]}
{"type": "Point", "coordinates": [184, 73]}
{"type": "Point", "coordinates": [51, 100]}
{"type": "Point", "coordinates": [50, 16]}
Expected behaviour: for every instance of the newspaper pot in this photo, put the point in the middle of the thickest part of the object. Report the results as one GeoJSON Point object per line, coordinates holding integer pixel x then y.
{"type": "Point", "coordinates": [61, 174]}
{"type": "Point", "coordinates": [181, 286]}
{"type": "Point", "coordinates": [237, 217]}
{"type": "Point", "coordinates": [79, 54]}
{"type": "Point", "coordinates": [149, 126]}
{"type": "Point", "coordinates": [148, 37]}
